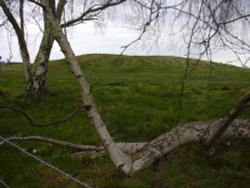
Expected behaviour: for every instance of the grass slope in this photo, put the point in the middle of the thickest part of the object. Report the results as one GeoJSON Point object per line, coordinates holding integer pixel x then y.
{"type": "Point", "coordinates": [138, 98]}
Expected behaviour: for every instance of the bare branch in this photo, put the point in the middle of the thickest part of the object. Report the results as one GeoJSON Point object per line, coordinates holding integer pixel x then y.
{"type": "Point", "coordinates": [167, 142]}
{"type": "Point", "coordinates": [146, 153]}
{"type": "Point", "coordinates": [31, 123]}
{"type": "Point", "coordinates": [153, 15]}
{"type": "Point", "coordinates": [213, 135]}
{"type": "Point", "coordinates": [37, 3]}
{"type": "Point", "coordinates": [91, 12]}
{"type": "Point", "coordinates": [21, 38]}
{"type": "Point", "coordinates": [4, 22]}
{"type": "Point", "coordinates": [55, 142]}
{"type": "Point", "coordinates": [60, 7]}
{"type": "Point", "coordinates": [125, 147]}
{"type": "Point", "coordinates": [21, 15]}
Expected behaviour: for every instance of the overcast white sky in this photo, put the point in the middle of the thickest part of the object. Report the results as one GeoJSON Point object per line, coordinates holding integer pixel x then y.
{"type": "Point", "coordinates": [87, 39]}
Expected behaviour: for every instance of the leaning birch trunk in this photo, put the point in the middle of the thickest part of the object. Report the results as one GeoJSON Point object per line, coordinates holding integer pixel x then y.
{"type": "Point", "coordinates": [131, 158]}
{"type": "Point", "coordinates": [119, 158]}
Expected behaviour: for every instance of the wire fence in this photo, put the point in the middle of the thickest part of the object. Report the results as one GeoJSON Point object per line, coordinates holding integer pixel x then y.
{"type": "Point", "coordinates": [4, 184]}
{"type": "Point", "coordinates": [68, 176]}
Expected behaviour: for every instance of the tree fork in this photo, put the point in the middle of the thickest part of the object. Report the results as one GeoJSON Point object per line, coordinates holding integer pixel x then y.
{"type": "Point", "coordinates": [131, 162]}
{"type": "Point", "coordinates": [36, 86]}
{"type": "Point", "coordinates": [214, 133]}
{"type": "Point", "coordinates": [119, 158]}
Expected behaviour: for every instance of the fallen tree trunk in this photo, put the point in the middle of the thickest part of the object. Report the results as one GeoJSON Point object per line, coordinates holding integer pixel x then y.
{"type": "Point", "coordinates": [116, 155]}
{"type": "Point", "coordinates": [145, 153]}
{"type": "Point", "coordinates": [187, 133]}
{"type": "Point", "coordinates": [214, 133]}
{"type": "Point", "coordinates": [132, 158]}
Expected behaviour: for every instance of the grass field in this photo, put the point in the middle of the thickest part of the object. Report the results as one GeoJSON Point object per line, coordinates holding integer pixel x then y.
{"type": "Point", "coordinates": [139, 98]}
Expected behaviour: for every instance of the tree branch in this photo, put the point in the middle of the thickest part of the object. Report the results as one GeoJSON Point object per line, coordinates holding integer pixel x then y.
{"type": "Point", "coordinates": [60, 7]}
{"type": "Point", "coordinates": [31, 123]}
{"type": "Point", "coordinates": [152, 16]}
{"type": "Point", "coordinates": [3, 23]}
{"type": "Point", "coordinates": [213, 134]}
{"type": "Point", "coordinates": [145, 153]}
{"type": "Point", "coordinates": [153, 150]}
{"type": "Point", "coordinates": [54, 142]}
{"type": "Point", "coordinates": [97, 8]}
{"type": "Point", "coordinates": [37, 3]}
{"type": "Point", "coordinates": [167, 142]}
{"type": "Point", "coordinates": [21, 38]}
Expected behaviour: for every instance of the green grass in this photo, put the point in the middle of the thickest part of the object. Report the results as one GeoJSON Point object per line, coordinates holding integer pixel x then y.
{"type": "Point", "coordinates": [138, 98]}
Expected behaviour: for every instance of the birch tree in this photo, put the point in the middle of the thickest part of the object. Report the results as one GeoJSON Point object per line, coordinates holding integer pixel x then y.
{"type": "Point", "coordinates": [206, 22]}
{"type": "Point", "coordinates": [36, 75]}
{"type": "Point", "coordinates": [15, 15]}
{"type": "Point", "coordinates": [132, 157]}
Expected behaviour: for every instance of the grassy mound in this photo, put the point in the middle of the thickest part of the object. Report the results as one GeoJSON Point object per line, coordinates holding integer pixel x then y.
{"type": "Point", "coordinates": [138, 98]}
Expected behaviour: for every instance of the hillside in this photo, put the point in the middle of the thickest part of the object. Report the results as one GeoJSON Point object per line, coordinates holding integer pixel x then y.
{"type": "Point", "coordinates": [139, 98]}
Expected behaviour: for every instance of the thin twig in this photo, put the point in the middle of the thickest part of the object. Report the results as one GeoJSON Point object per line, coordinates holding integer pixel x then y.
{"type": "Point", "coordinates": [185, 75]}
{"type": "Point", "coordinates": [31, 123]}
{"type": "Point", "coordinates": [95, 10]}
{"type": "Point", "coordinates": [37, 3]}
{"type": "Point", "coordinates": [152, 17]}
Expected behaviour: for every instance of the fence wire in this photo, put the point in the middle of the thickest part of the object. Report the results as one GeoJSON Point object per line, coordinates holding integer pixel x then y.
{"type": "Point", "coordinates": [4, 184]}
{"type": "Point", "coordinates": [68, 176]}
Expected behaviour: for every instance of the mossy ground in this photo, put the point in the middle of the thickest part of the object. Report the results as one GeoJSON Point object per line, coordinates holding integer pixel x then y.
{"type": "Point", "coordinates": [138, 98]}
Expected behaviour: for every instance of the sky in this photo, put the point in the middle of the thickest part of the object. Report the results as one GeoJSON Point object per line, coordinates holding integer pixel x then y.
{"type": "Point", "coordinates": [88, 39]}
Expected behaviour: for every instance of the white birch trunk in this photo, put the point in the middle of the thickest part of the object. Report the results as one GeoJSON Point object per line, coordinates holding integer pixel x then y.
{"type": "Point", "coordinates": [187, 133]}
{"type": "Point", "coordinates": [36, 86]}
{"type": "Point", "coordinates": [131, 158]}
{"type": "Point", "coordinates": [119, 158]}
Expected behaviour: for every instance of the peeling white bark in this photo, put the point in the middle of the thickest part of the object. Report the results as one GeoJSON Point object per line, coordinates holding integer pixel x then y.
{"type": "Point", "coordinates": [187, 133]}
{"type": "Point", "coordinates": [131, 158]}
{"type": "Point", "coordinates": [142, 154]}
{"type": "Point", "coordinates": [35, 79]}
{"type": "Point", "coordinates": [37, 83]}
{"type": "Point", "coordinates": [214, 133]}
{"type": "Point", "coordinates": [118, 157]}
{"type": "Point", "coordinates": [130, 148]}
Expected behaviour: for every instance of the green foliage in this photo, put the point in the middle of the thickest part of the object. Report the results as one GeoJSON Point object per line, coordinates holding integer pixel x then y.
{"type": "Point", "coordinates": [138, 98]}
